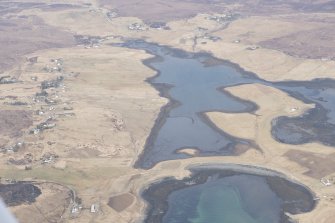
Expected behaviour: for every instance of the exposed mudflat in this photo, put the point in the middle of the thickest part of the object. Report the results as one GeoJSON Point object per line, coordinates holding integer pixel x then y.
{"type": "Point", "coordinates": [121, 202]}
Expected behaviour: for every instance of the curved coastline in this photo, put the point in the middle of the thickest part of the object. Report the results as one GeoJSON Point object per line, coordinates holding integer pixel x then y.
{"type": "Point", "coordinates": [154, 213]}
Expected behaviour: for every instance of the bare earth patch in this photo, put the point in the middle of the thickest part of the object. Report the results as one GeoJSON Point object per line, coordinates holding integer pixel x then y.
{"type": "Point", "coordinates": [12, 122]}
{"type": "Point", "coordinates": [318, 165]}
{"type": "Point", "coordinates": [20, 36]}
{"type": "Point", "coordinates": [161, 10]}
{"type": "Point", "coordinates": [121, 202]}
{"type": "Point", "coordinates": [317, 43]}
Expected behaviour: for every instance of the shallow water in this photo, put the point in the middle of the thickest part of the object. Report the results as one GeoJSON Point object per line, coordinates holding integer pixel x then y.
{"type": "Point", "coordinates": [225, 200]}
{"type": "Point", "coordinates": [224, 196]}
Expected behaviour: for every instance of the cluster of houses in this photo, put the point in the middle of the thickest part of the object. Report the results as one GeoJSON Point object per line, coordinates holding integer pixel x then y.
{"type": "Point", "coordinates": [159, 26]}
{"type": "Point", "coordinates": [112, 14]}
{"type": "Point", "coordinates": [223, 18]}
{"type": "Point", "coordinates": [327, 182]}
{"type": "Point", "coordinates": [7, 80]}
{"type": "Point", "coordinates": [57, 66]}
{"type": "Point", "coordinates": [48, 158]}
{"type": "Point", "coordinates": [89, 41]}
{"type": "Point", "coordinates": [52, 83]}
{"type": "Point", "coordinates": [76, 209]}
{"type": "Point", "coordinates": [48, 124]}
{"type": "Point", "coordinates": [137, 27]}
{"type": "Point", "coordinates": [12, 148]}
{"type": "Point", "coordinates": [143, 27]}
